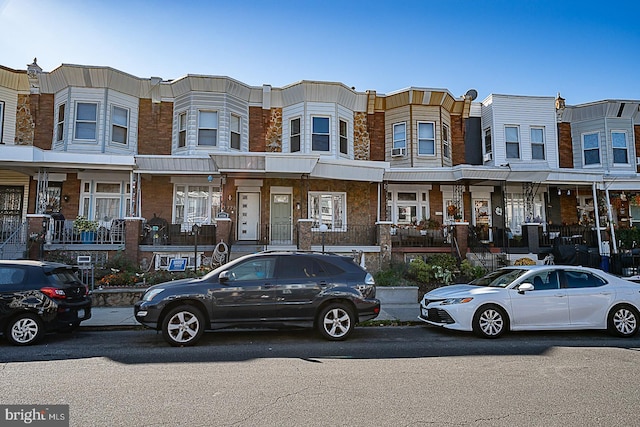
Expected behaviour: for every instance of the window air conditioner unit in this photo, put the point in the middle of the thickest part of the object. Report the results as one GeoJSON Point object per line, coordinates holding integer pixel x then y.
{"type": "Point", "coordinates": [487, 157]}
{"type": "Point", "coordinates": [637, 160]}
{"type": "Point", "coordinates": [397, 152]}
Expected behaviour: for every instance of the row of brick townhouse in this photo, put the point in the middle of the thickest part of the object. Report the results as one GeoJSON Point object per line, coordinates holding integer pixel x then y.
{"type": "Point", "coordinates": [169, 168]}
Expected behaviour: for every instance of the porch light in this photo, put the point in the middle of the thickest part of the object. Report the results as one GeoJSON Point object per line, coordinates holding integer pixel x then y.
{"type": "Point", "coordinates": [323, 229]}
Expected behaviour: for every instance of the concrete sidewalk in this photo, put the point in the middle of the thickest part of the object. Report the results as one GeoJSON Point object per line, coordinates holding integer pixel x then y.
{"type": "Point", "coordinates": [123, 316]}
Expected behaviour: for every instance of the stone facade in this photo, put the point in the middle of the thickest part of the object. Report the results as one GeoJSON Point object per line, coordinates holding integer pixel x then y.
{"type": "Point", "coordinates": [361, 141]}
{"type": "Point", "coordinates": [25, 123]}
{"type": "Point", "coordinates": [273, 137]}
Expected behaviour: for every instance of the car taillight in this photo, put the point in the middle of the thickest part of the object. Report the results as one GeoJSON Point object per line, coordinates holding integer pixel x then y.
{"type": "Point", "coordinates": [54, 293]}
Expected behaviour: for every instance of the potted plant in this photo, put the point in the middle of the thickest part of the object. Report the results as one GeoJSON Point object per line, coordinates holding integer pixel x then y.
{"type": "Point", "coordinates": [86, 228]}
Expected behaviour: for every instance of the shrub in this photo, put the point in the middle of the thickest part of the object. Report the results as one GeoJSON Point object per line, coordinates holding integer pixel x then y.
{"type": "Point", "coordinates": [471, 271]}
{"type": "Point", "coordinates": [524, 261]}
{"type": "Point", "coordinates": [394, 276]}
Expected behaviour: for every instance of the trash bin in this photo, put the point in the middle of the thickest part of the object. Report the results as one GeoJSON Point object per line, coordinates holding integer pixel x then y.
{"type": "Point", "coordinates": [604, 263]}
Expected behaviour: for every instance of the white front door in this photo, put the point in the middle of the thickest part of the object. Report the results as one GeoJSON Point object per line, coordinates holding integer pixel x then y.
{"type": "Point", "coordinates": [248, 216]}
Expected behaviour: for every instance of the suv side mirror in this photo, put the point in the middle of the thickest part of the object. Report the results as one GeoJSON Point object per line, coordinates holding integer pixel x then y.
{"type": "Point", "coordinates": [225, 276]}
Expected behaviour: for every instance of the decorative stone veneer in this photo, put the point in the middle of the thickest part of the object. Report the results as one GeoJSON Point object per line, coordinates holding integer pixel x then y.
{"type": "Point", "coordinates": [24, 122]}
{"type": "Point", "coordinates": [274, 131]}
{"type": "Point", "coordinates": [361, 140]}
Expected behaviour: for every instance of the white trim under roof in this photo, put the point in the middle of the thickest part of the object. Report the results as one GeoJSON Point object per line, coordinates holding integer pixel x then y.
{"type": "Point", "coordinates": [29, 156]}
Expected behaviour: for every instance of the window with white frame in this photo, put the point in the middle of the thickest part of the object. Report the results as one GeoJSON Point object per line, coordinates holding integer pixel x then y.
{"type": "Point", "coordinates": [426, 139]}
{"type": "Point", "coordinates": [537, 143]}
{"type": "Point", "coordinates": [105, 201]}
{"type": "Point", "coordinates": [195, 204]}
{"type": "Point", "coordinates": [182, 129]}
{"type": "Point", "coordinates": [446, 143]}
{"type": "Point", "coordinates": [208, 128]}
{"type": "Point", "coordinates": [620, 150]}
{"type": "Point", "coordinates": [86, 120]}
{"type": "Point", "coordinates": [119, 124]}
{"type": "Point", "coordinates": [400, 135]}
{"type": "Point", "coordinates": [488, 145]}
{"type": "Point", "coordinates": [406, 207]}
{"type": "Point", "coordinates": [512, 139]}
{"type": "Point", "coordinates": [320, 134]}
{"type": "Point", "coordinates": [344, 138]}
{"type": "Point", "coordinates": [235, 131]}
{"type": "Point", "coordinates": [515, 211]}
{"type": "Point", "coordinates": [60, 122]}
{"type": "Point", "coordinates": [329, 209]}
{"type": "Point", "coordinates": [294, 135]}
{"type": "Point", "coordinates": [591, 148]}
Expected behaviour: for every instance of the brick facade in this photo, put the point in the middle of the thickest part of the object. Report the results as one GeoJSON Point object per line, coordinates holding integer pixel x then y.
{"type": "Point", "coordinates": [155, 124]}
{"type": "Point", "coordinates": [375, 129]}
{"type": "Point", "coordinates": [157, 196]}
{"type": "Point", "coordinates": [258, 121]}
{"type": "Point", "coordinates": [457, 140]}
{"type": "Point", "coordinates": [565, 145]}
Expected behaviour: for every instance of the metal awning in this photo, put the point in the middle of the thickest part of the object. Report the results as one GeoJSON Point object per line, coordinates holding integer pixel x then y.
{"type": "Point", "coordinates": [175, 165]}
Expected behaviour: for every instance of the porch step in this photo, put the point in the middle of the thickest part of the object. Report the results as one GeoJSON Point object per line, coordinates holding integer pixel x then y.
{"type": "Point", "coordinates": [239, 249]}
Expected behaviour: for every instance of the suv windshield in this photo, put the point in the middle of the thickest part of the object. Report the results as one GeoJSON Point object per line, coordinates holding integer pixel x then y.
{"type": "Point", "coordinates": [499, 278]}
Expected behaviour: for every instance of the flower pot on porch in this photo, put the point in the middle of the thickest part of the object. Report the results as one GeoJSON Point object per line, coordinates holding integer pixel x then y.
{"type": "Point", "coordinates": [87, 236]}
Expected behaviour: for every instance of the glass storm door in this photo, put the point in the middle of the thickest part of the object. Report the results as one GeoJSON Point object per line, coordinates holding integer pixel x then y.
{"type": "Point", "coordinates": [281, 218]}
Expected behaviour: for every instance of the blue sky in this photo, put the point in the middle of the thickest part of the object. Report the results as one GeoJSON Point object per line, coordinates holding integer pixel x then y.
{"type": "Point", "coordinates": [588, 51]}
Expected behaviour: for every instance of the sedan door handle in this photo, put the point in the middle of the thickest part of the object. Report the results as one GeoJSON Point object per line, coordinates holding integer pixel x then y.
{"type": "Point", "coordinates": [268, 286]}
{"type": "Point", "coordinates": [560, 295]}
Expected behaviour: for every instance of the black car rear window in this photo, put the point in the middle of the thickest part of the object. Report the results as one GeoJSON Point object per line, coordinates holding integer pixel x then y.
{"type": "Point", "coordinates": [63, 277]}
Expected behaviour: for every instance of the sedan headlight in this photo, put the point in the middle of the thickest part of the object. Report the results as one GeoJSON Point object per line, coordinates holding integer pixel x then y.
{"type": "Point", "coordinates": [152, 293]}
{"type": "Point", "coordinates": [450, 301]}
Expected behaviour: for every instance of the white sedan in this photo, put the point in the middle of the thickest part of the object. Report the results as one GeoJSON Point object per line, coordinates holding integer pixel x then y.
{"type": "Point", "coordinates": [527, 298]}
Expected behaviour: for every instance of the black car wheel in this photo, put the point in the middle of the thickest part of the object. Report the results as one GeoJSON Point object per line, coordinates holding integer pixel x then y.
{"type": "Point", "coordinates": [623, 321]}
{"type": "Point", "coordinates": [183, 326]}
{"type": "Point", "coordinates": [490, 321]}
{"type": "Point", "coordinates": [336, 322]}
{"type": "Point", "coordinates": [24, 329]}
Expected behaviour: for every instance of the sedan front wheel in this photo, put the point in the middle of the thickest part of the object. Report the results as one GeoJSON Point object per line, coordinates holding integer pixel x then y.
{"type": "Point", "coordinates": [623, 321]}
{"type": "Point", "coordinates": [490, 321]}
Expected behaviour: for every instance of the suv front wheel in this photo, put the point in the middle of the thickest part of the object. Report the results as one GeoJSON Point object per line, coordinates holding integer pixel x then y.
{"type": "Point", "coordinates": [183, 326]}
{"type": "Point", "coordinates": [336, 322]}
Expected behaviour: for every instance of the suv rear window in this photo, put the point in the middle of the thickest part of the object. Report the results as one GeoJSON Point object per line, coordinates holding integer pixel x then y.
{"type": "Point", "coordinates": [294, 267]}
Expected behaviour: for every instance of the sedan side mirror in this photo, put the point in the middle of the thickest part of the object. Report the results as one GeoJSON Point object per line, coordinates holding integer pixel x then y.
{"type": "Point", "coordinates": [225, 276]}
{"type": "Point", "coordinates": [525, 287]}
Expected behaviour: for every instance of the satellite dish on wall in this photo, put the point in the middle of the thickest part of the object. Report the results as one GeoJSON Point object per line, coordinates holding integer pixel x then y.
{"type": "Point", "coordinates": [471, 94]}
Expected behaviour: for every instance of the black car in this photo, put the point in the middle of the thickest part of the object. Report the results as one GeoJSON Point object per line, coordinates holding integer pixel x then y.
{"type": "Point", "coordinates": [36, 297]}
{"type": "Point", "coordinates": [328, 291]}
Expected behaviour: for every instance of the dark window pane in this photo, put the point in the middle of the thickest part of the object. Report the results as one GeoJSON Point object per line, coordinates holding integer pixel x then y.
{"type": "Point", "coordinates": [320, 143]}
{"type": "Point", "coordinates": [619, 156]}
{"type": "Point", "coordinates": [207, 137]}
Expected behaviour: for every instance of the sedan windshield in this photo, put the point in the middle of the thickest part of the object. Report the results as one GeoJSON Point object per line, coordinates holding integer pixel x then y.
{"type": "Point", "coordinates": [499, 278]}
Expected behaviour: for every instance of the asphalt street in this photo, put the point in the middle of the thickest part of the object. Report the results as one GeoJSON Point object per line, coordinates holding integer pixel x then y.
{"type": "Point", "coordinates": [386, 376]}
